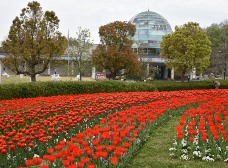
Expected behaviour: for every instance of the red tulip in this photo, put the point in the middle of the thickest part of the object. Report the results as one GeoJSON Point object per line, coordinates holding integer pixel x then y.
{"type": "Point", "coordinates": [29, 162]}
{"type": "Point", "coordinates": [3, 151]}
{"type": "Point", "coordinates": [58, 155]}
{"type": "Point", "coordinates": [90, 165]}
{"type": "Point", "coordinates": [80, 164]}
{"type": "Point", "coordinates": [66, 163]}
{"type": "Point", "coordinates": [85, 159]}
{"type": "Point", "coordinates": [114, 160]}
{"type": "Point", "coordinates": [44, 166]}
{"type": "Point", "coordinates": [50, 150]}
{"type": "Point", "coordinates": [37, 160]}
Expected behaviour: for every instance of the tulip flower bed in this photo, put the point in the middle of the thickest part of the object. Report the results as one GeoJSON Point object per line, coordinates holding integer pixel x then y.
{"type": "Point", "coordinates": [105, 129]}
{"type": "Point", "coordinates": [202, 132]}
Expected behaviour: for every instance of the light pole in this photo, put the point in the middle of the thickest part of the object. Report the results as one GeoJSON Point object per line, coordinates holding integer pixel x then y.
{"type": "Point", "coordinates": [0, 71]}
{"type": "Point", "coordinates": [79, 63]}
{"type": "Point", "coordinates": [224, 69]}
{"type": "Point", "coordinates": [68, 58]}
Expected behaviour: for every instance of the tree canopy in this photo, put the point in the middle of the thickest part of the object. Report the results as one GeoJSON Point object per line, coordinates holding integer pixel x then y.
{"type": "Point", "coordinates": [115, 53]}
{"type": "Point", "coordinates": [186, 48]}
{"type": "Point", "coordinates": [33, 41]}
{"type": "Point", "coordinates": [218, 35]}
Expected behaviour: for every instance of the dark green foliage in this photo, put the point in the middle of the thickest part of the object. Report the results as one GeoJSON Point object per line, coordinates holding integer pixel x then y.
{"type": "Point", "coordinates": [192, 85]}
{"type": "Point", "coordinates": [170, 86]}
{"type": "Point", "coordinates": [25, 90]}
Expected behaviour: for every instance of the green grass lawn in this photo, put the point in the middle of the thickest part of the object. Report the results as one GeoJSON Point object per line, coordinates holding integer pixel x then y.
{"type": "Point", "coordinates": [155, 152]}
{"type": "Point", "coordinates": [16, 79]}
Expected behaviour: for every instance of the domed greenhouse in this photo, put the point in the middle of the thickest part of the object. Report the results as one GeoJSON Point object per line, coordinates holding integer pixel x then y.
{"type": "Point", "coordinates": [150, 27]}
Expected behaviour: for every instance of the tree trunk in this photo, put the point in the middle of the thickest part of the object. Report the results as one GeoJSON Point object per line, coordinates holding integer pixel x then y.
{"type": "Point", "coordinates": [33, 77]}
{"type": "Point", "coordinates": [182, 76]}
{"type": "Point", "coordinates": [113, 76]}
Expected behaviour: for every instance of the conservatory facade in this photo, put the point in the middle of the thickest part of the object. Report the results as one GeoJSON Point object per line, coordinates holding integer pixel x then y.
{"type": "Point", "coordinates": [150, 27]}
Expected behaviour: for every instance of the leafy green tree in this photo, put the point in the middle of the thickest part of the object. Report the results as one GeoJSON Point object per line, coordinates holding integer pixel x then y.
{"type": "Point", "coordinates": [186, 48]}
{"type": "Point", "coordinates": [33, 41]}
{"type": "Point", "coordinates": [79, 51]}
{"type": "Point", "coordinates": [115, 54]}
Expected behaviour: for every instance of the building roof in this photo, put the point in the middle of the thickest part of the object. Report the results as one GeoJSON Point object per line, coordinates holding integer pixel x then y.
{"type": "Point", "coordinates": [150, 27]}
{"type": "Point", "coordinates": [152, 20]}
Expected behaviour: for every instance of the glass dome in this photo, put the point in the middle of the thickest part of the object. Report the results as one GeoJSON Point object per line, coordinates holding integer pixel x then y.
{"type": "Point", "coordinates": [150, 27]}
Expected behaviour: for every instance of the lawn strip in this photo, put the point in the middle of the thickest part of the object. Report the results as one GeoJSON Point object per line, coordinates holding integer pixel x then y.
{"type": "Point", "coordinates": [155, 152]}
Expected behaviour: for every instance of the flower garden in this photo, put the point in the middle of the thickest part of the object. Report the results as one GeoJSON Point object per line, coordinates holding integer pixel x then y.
{"type": "Point", "coordinates": [106, 129]}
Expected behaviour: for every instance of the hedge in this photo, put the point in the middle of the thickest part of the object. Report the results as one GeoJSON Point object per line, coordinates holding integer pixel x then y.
{"type": "Point", "coordinates": [53, 88]}
{"type": "Point", "coordinates": [36, 89]}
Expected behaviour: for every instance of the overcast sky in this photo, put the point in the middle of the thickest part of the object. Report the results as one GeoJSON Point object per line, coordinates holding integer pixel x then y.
{"type": "Point", "coordinates": [92, 14]}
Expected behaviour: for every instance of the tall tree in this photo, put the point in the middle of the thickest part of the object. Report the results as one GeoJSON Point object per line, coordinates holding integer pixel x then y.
{"type": "Point", "coordinates": [218, 34]}
{"type": "Point", "coordinates": [186, 48]}
{"type": "Point", "coordinates": [115, 53]}
{"type": "Point", "coordinates": [33, 41]}
{"type": "Point", "coordinates": [79, 50]}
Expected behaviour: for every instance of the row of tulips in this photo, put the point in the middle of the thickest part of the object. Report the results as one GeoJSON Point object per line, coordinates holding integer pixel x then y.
{"type": "Point", "coordinates": [202, 132]}
{"type": "Point", "coordinates": [33, 129]}
{"type": "Point", "coordinates": [38, 129]}
{"type": "Point", "coordinates": [111, 142]}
